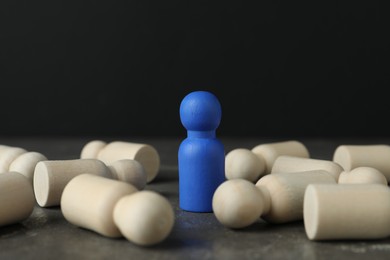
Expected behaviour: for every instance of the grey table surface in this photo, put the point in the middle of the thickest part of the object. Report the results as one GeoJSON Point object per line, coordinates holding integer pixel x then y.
{"type": "Point", "coordinates": [47, 235]}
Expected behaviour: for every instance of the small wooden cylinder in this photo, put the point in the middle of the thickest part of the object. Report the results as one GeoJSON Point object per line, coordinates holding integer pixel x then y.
{"type": "Point", "coordinates": [269, 152]}
{"type": "Point", "coordinates": [287, 164]}
{"type": "Point", "coordinates": [16, 198]}
{"type": "Point", "coordinates": [88, 201]}
{"type": "Point", "coordinates": [51, 177]}
{"type": "Point", "coordinates": [286, 192]}
{"type": "Point", "coordinates": [352, 156]}
{"type": "Point", "coordinates": [347, 211]}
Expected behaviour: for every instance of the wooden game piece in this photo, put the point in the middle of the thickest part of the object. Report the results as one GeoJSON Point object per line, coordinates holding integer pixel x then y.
{"type": "Point", "coordinates": [201, 156]}
{"type": "Point", "coordinates": [279, 197]}
{"type": "Point", "coordinates": [130, 171]}
{"type": "Point", "coordinates": [270, 151]}
{"type": "Point", "coordinates": [146, 154]}
{"type": "Point", "coordinates": [16, 159]}
{"type": "Point", "coordinates": [238, 203]}
{"type": "Point", "coordinates": [8, 155]}
{"type": "Point", "coordinates": [51, 177]}
{"type": "Point", "coordinates": [363, 175]}
{"type": "Point", "coordinates": [144, 218]}
{"type": "Point", "coordinates": [25, 164]}
{"type": "Point", "coordinates": [244, 164]}
{"type": "Point", "coordinates": [375, 156]}
{"type": "Point", "coordinates": [92, 149]}
{"type": "Point", "coordinates": [286, 191]}
{"type": "Point", "coordinates": [16, 198]}
{"type": "Point", "coordinates": [3, 148]}
{"type": "Point", "coordinates": [287, 164]}
{"type": "Point", "coordinates": [88, 202]}
{"type": "Point", "coordinates": [347, 211]}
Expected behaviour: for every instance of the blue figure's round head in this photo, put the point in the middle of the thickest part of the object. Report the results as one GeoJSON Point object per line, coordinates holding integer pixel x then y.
{"type": "Point", "coordinates": [200, 111]}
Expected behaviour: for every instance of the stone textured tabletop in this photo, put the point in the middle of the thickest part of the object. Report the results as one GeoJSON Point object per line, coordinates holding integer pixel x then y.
{"type": "Point", "coordinates": [47, 235]}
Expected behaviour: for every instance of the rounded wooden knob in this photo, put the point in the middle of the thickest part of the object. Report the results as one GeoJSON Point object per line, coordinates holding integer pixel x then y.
{"type": "Point", "coordinates": [144, 218]}
{"type": "Point", "coordinates": [238, 203]}
{"type": "Point", "coordinates": [352, 156]}
{"type": "Point", "coordinates": [363, 175]}
{"type": "Point", "coordinates": [25, 164]}
{"type": "Point", "coordinates": [244, 164]}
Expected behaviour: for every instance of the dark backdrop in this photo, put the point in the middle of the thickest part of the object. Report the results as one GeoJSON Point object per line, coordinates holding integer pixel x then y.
{"type": "Point", "coordinates": [279, 68]}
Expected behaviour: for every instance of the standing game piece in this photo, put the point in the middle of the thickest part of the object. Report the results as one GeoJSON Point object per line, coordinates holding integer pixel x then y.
{"type": "Point", "coordinates": [201, 156]}
{"type": "Point", "coordinates": [347, 211]}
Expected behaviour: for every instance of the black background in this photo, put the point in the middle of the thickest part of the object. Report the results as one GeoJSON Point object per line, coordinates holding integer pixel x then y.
{"type": "Point", "coordinates": [279, 68]}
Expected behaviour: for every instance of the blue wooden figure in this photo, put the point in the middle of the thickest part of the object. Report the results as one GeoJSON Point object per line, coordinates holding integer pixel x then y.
{"type": "Point", "coordinates": [201, 155]}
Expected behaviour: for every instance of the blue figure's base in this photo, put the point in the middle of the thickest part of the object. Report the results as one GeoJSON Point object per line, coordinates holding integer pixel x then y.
{"type": "Point", "coordinates": [201, 171]}
{"type": "Point", "coordinates": [196, 210]}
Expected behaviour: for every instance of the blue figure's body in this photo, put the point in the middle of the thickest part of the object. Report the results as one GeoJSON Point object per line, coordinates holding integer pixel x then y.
{"type": "Point", "coordinates": [201, 154]}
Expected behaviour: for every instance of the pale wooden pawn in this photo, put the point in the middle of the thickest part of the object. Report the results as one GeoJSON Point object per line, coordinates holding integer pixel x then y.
{"type": "Point", "coordinates": [347, 211]}
{"type": "Point", "coordinates": [114, 209]}
{"type": "Point", "coordinates": [8, 155]}
{"type": "Point", "coordinates": [244, 164]}
{"type": "Point", "coordinates": [146, 154]}
{"type": "Point", "coordinates": [145, 218]}
{"type": "Point", "coordinates": [16, 198]}
{"type": "Point", "coordinates": [352, 156]}
{"type": "Point", "coordinates": [88, 201]}
{"type": "Point", "coordinates": [257, 162]}
{"type": "Point", "coordinates": [271, 151]}
{"type": "Point", "coordinates": [285, 163]}
{"type": "Point", "coordinates": [25, 164]}
{"type": "Point", "coordinates": [277, 198]}
{"type": "Point", "coordinates": [363, 174]}
{"type": "Point", "coordinates": [16, 159]}
{"type": "Point", "coordinates": [51, 176]}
